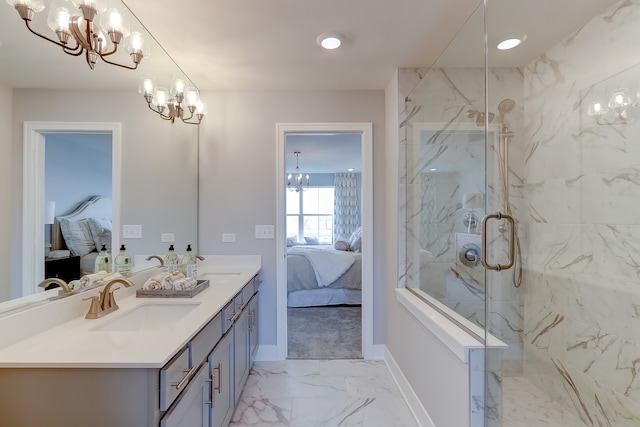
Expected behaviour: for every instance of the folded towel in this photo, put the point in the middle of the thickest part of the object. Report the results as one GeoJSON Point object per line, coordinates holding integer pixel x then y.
{"type": "Point", "coordinates": [75, 285]}
{"type": "Point", "coordinates": [184, 284]}
{"type": "Point", "coordinates": [90, 279]}
{"type": "Point", "coordinates": [152, 284]}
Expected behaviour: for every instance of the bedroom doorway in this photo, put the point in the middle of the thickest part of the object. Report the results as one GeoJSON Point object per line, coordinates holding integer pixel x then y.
{"type": "Point", "coordinates": [324, 269]}
{"type": "Point", "coordinates": [33, 229]}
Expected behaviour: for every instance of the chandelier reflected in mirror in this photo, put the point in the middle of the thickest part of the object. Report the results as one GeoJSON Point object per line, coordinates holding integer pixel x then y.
{"type": "Point", "coordinates": [297, 182]}
{"type": "Point", "coordinates": [76, 26]}
{"type": "Point", "coordinates": [181, 102]}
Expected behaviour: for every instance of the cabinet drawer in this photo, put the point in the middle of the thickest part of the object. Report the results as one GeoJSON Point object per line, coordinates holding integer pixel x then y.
{"type": "Point", "coordinates": [202, 344]}
{"type": "Point", "coordinates": [173, 378]}
{"type": "Point", "coordinates": [248, 291]}
{"type": "Point", "coordinates": [192, 408]}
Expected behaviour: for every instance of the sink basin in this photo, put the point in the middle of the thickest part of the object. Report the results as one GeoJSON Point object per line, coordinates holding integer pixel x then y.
{"type": "Point", "coordinates": [148, 316]}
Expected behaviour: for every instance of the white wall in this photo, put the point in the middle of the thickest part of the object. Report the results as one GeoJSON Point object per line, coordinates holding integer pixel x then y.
{"type": "Point", "coordinates": [6, 251]}
{"type": "Point", "coordinates": [238, 175]}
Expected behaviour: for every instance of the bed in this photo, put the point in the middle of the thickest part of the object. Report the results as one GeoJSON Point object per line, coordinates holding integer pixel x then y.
{"type": "Point", "coordinates": [84, 230]}
{"type": "Point", "coordinates": [319, 275]}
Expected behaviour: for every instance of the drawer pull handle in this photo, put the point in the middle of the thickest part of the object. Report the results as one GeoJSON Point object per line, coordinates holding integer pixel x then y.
{"type": "Point", "coordinates": [218, 388]}
{"type": "Point", "coordinates": [212, 400]}
{"type": "Point", "coordinates": [235, 316]}
{"type": "Point", "coordinates": [184, 379]}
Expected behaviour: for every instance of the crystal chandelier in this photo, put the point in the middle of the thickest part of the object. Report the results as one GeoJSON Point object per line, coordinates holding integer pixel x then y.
{"type": "Point", "coordinates": [295, 181]}
{"type": "Point", "coordinates": [78, 22]}
{"type": "Point", "coordinates": [181, 102]}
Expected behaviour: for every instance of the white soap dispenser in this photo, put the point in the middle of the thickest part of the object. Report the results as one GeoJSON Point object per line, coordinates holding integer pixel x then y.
{"type": "Point", "coordinates": [122, 262]}
{"type": "Point", "coordinates": [103, 261]}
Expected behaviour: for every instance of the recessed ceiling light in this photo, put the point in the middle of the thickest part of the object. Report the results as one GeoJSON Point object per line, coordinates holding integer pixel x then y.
{"type": "Point", "coordinates": [330, 40]}
{"type": "Point", "coordinates": [433, 169]}
{"type": "Point", "coordinates": [508, 44]}
{"type": "Point", "coordinates": [350, 170]}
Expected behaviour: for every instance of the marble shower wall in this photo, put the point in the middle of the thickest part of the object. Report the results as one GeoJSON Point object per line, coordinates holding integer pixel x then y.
{"type": "Point", "coordinates": [432, 203]}
{"type": "Point", "coordinates": [582, 284]}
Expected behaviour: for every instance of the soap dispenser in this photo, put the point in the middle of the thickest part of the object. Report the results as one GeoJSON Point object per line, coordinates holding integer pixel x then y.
{"type": "Point", "coordinates": [103, 261]}
{"type": "Point", "coordinates": [122, 262]}
{"type": "Point", "coordinates": [172, 261]}
{"type": "Point", "coordinates": [189, 266]}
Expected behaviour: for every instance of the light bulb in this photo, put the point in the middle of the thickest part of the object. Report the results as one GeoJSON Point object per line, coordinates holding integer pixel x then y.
{"type": "Point", "coordinates": [35, 5]}
{"type": "Point", "coordinates": [596, 109]}
{"type": "Point", "coordinates": [192, 97]}
{"type": "Point", "coordinates": [160, 97]}
{"type": "Point", "coordinates": [59, 19]}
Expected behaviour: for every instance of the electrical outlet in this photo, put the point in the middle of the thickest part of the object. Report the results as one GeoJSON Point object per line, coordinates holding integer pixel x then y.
{"type": "Point", "coordinates": [167, 237]}
{"type": "Point", "coordinates": [228, 237]}
{"type": "Point", "coordinates": [265, 232]}
{"type": "Point", "coordinates": [132, 231]}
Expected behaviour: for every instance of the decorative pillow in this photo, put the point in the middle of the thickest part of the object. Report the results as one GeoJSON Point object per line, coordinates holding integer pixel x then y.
{"type": "Point", "coordinates": [341, 245]}
{"type": "Point", "coordinates": [357, 234]}
{"type": "Point", "coordinates": [77, 236]}
{"type": "Point", "coordinates": [356, 245]}
{"type": "Point", "coordinates": [291, 241]}
{"type": "Point", "coordinates": [311, 240]}
{"type": "Point", "coordinates": [101, 232]}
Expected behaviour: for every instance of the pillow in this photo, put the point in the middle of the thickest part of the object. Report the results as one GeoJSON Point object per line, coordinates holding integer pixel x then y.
{"type": "Point", "coordinates": [311, 240]}
{"type": "Point", "coordinates": [291, 241]}
{"type": "Point", "coordinates": [357, 234]}
{"type": "Point", "coordinates": [341, 245]}
{"type": "Point", "coordinates": [77, 236]}
{"type": "Point", "coordinates": [356, 245]}
{"type": "Point", "coordinates": [101, 232]}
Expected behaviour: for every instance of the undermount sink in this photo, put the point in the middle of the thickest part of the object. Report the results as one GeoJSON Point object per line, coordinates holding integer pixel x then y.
{"type": "Point", "coordinates": [148, 316]}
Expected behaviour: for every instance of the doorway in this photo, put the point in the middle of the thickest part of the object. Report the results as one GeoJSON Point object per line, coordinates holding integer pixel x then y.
{"type": "Point", "coordinates": [33, 229]}
{"type": "Point", "coordinates": [363, 132]}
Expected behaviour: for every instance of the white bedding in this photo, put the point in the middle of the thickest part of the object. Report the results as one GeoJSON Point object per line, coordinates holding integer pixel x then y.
{"type": "Point", "coordinates": [327, 265]}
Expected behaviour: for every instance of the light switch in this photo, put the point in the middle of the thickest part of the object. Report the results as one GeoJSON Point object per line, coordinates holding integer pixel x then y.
{"type": "Point", "coordinates": [132, 231]}
{"type": "Point", "coordinates": [228, 237]}
{"type": "Point", "coordinates": [265, 232]}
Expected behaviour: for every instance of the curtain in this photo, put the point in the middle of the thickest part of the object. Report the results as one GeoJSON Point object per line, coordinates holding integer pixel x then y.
{"type": "Point", "coordinates": [346, 209]}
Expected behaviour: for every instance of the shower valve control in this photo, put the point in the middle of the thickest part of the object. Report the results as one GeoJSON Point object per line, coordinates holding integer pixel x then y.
{"type": "Point", "coordinates": [469, 255]}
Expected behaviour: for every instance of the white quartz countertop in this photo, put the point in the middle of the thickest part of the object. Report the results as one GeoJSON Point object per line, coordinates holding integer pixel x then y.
{"type": "Point", "coordinates": [79, 343]}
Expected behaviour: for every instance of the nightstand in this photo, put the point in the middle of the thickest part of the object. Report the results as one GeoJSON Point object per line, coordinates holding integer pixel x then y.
{"type": "Point", "coordinates": [67, 268]}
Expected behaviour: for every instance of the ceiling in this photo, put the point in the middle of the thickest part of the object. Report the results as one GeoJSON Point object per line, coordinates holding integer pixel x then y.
{"type": "Point", "coordinates": [324, 153]}
{"type": "Point", "coordinates": [271, 45]}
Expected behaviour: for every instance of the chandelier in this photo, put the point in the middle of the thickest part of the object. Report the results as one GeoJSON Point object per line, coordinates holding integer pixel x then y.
{"type": "Point", "coordinates": [80, 24]}
{"type": "Point", "coordinates": [181, 102]}
{"type": "Point", "coordinates": [621, 108]}
{"type": "Point", "coordinates": [295, 181]}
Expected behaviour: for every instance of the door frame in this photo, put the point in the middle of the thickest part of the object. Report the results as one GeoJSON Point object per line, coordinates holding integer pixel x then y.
{"type": "Point", "coordinates": [33, 190]}
{"type": "Point", "coordinates": [366, 147]}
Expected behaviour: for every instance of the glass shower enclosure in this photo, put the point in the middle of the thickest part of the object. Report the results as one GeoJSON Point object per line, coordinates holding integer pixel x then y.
{"type": "Point", "coordinates": [547, 134]}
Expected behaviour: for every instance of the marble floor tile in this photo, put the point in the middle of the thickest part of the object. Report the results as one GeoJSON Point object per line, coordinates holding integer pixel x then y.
{"type": "Point", "coordinates": [326, 393]}
{"type": "Point", "coordinates": [525, 405]}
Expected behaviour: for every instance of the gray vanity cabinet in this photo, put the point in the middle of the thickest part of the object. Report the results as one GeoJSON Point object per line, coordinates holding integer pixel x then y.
{"type": "Point", "coordinates": [193, 407]}
{"type": "Point", "coordinates": [253, 328]}
{"type": "Point", "coordinates": [241, 351]}
{"type": "Point", "coordinates": [221, 374]}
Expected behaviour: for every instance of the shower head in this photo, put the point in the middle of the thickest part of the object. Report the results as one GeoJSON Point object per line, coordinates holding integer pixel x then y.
{"type": "Point", "coordinates": [506, 106]}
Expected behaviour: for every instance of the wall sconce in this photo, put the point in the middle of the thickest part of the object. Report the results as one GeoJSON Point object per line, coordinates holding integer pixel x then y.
{"type": "Point", "coordinates": [181, 102]}
{"type": "Point", "coordinates": [617, 110]}
{"type": "Point", "coordinates": [472, 201]}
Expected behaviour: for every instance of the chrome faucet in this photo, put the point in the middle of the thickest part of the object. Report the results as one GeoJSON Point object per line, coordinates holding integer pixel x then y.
{"type": "Point", "coordinates": [105, 303]}
{"type": "Point", "coordinates": [149, 258]}
{"type": "Point", "coordinates": [55, 281]}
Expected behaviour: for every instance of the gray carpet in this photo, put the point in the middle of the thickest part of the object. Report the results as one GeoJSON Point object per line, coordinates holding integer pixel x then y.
{"type": "Point", "coordinates": [333, 332]}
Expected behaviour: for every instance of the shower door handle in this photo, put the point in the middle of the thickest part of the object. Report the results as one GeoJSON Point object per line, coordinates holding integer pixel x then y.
{"type": "Point", "coordinates": [512, 242]}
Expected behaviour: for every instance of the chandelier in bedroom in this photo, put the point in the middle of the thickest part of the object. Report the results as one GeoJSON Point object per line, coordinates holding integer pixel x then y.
{"type": "Point", "coordinates": [296, 181]}
{"type": "Point", "coordinates": [76, 26]}
{"type": "Point", "coordinates": [181, 102]}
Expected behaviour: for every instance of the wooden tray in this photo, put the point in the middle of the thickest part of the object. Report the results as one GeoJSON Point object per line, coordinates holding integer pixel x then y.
{"type": "Point", "coordinates": [172, 293]}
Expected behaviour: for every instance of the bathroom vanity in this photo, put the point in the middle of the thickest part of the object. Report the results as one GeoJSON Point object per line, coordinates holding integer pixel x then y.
{"type": "Point", "coordinates": [154, 362]}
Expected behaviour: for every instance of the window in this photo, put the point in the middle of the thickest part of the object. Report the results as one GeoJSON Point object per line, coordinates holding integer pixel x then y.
{"type": "Point", "coordinates": [310, 214]}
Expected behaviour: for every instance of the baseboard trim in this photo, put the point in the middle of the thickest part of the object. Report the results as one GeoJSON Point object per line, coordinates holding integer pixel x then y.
{"type": "Point", "coordinates": [417, 409]}
{"type": "Point", "coordinates": [267, 353]}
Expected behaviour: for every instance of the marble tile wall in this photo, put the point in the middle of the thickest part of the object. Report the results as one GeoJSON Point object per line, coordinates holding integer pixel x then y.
{"type": "Point", "coordinates": [582, 288]}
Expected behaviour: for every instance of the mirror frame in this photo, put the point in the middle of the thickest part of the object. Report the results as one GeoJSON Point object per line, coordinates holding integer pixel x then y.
{"type": "Point", "coordinates": [33, 177]}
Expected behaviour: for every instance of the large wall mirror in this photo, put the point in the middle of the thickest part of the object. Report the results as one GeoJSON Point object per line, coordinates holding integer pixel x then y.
{"type": "Point", "coordinates": [54, 102]}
